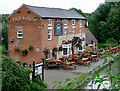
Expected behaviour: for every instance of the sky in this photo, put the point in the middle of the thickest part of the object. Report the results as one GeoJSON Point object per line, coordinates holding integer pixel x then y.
{"type": "Point", "coordinates": [87, 6]}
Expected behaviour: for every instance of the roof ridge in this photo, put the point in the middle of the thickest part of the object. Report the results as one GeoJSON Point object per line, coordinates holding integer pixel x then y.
{"type": "Point", "coordinates": [47, 7]}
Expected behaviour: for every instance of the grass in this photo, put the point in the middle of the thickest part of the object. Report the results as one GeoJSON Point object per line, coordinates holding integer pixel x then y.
{"type": "Point", "coordinates": [100, 45]}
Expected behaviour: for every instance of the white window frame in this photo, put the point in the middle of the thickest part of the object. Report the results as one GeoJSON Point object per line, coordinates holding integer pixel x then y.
{"type": "Point", "coordinates": [50, 55]}
{"type": "Point", "coordinates": [50, 33]}
{"type": "Point", "coordinates": [65, 21]}
{"type": "Point", "coordinates": [65, 32]}
{"type": "Point", "coordinates": [68, 46]}
{"type": "Point", "coordinates": [19, 33]}
{"type": "Point", "coordinates": [73, 21]}
{"type": "Point", "coordinates": [49, 22]}
{"type": "Point", "coordinates": [80, 22]}
{"type": "Point", "coordinates": [83, 46]}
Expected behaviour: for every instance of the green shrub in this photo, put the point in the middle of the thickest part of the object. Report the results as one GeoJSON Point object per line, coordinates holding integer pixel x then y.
{"type": "Point", "coordinates": [30, 47]}
{"type": "Point", "coordinates": [17, 49]}
{"type": "Point", "coordinates": [16, 77]}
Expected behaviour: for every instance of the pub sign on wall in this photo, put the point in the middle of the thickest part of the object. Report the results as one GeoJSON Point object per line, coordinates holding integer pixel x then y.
{"type": "Point", "coordinates": [58, 29]}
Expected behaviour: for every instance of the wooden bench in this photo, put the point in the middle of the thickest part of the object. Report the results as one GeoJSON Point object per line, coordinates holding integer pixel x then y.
{"type": "Point", "coordinates": [52, 64]}
{"type": "Point", "coordinates": [69, 66]}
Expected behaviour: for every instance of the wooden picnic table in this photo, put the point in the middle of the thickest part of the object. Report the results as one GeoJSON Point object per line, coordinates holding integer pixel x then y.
{"type": "Point", "coordinates": [85, 61]}
{"type": "Point", "coordinates": [94, 57]}
{"type": "Point", "coordinates": [69, 65]}
{"type": "Point", "coordinates": [56, 60]}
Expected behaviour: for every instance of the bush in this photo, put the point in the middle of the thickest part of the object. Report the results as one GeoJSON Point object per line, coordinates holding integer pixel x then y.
{"type": "Point", "coordinates": [30, 47]}
{"type": "Point", "coordinates": [17, 49]}
{"type": "Point", "coordinates": [16, 77]}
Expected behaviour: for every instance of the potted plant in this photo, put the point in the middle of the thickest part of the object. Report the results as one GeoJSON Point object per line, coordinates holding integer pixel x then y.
{"type": "Point", "coordinates": [54, 50]}
{"type": "Point", "coordinates": [17, 49]}
{"type": "Point", "coordinates": [30, 48]}
{"type": "Point", "coordinates": [46, 51]}
{"type": "Point", "coordinates": [86, 55]}
{"type": "Point", "coordinates": [24, 52]}
{"type": "Point", "coordinates": [60, 48]}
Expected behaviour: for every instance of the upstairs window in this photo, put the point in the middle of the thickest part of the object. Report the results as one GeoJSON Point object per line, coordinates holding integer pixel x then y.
{"type": "Point", "coordinates": [65, 21]}
{"type": "Point", "coordinates": [80, 30]}
{"type": "Point", "coordinates": [65, 32]}
{"type": "Point", "coordinates": [80, 22]}
{"type": "Point", "coordinates": [73, 31]}
{"type": "Point", "coordinates": [50, 34]}
{"type": "Point", "coordinates": [49, 22]}
{"type": "Point", "coordinates": [19, 34]}
{"type": "Point", "coordinates": [73, 22]}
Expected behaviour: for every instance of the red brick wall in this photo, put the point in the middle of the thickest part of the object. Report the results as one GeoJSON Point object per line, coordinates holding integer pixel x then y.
{"type": "Point", "coordinates": [33, 35]}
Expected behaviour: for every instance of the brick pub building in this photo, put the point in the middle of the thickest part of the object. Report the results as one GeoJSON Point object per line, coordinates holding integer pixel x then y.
{"type": "Point", "coordinates": [44, 28]}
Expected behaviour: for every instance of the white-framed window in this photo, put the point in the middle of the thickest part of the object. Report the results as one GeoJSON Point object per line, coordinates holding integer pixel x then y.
{"type": "Point", "coordinates": [80, 22]}
{"type": "Point", "coordinates": [65, 53]}
{"type": "Point", "coordinates": [73, 31]}
{"type": "Point", "coordinates": [82, 47]}
{"type": "Point", "coordinates": [73, 22]}
{"type": "Point", "coordinates": [49, 34]}
{"type": "Point", "coordinates": [19, 33]}
{"type": "Point", "coordinates": [65, 32]}
{"type": "Point", "coordinates": [65, 21]}
{"type": "Point", "coordinates": [49, 55]}
{"type": "Point", "coordinates": [80, 30]}
{"type": "Point", "coordinates": [49, 22]}
{"type": "Point", "coordinates": [66, 49]}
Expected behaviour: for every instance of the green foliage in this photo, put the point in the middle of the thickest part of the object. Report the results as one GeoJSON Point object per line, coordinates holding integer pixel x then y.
{"type": "Point", "coordinates": [111, 42]}
{"type": "Point", "coordinates": [110, 27]}
{"type": "Point", "coordinates": [100, 45]}
{"type": "Point", "coordinates": [5, 35]}
{"type": "Point", "coordinates": [24, 52]}
{"type": "Point", "coordinates": [17, 49]}
{"type": "Point", "coordinates": [79, 11]}
{"type": "Point", "coordinates": [30, 47]}
{"type": "Point", "coordinates": [104, 22]}
{"type": "Point", "coordinates": [16, 77]}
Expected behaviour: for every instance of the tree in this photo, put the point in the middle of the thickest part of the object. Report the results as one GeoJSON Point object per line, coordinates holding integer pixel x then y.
{"type": "Point", "coordinates": [110, 27]}
{"type": "Point", "coordinates": [79, 11]}
{"type": "Point", "coordinates": [94, 19]}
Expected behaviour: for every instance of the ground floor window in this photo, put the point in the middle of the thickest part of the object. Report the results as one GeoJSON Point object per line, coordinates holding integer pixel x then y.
{"type": "Point", "coordinates": [82, 47]}
{"type": "Point", "coordinates": [64, 51]}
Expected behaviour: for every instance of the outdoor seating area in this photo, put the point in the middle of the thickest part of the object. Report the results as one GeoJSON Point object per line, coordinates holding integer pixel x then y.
{"type": "Point", "coordinates": [81, 58]}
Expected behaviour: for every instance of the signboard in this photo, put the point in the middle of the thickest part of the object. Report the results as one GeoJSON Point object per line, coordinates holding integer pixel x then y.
{"type": "Point", "coordinates": [38, 69]}
{"type": "Point", "coordinates": [58, 29]}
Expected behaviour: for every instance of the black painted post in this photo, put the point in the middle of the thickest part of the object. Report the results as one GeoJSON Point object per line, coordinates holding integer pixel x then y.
{"type": "Point", "coordinates": [33, 70]}
{"type": "Point", "coordinates": [43, 70]}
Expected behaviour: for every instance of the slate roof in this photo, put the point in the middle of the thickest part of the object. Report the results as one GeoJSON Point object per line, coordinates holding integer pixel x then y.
{"type": "Point", "coordinates": [89, 36]}
{"type": "Point", "coordinates": [46, 12]}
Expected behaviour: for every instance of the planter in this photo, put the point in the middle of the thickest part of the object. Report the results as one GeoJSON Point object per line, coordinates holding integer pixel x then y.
{"type": "Point", "coordinates": [30, 48]}
{"type": "Point", "coordinates": [24, 52]}
{"type": "Point", "coordinates": [17, 49]}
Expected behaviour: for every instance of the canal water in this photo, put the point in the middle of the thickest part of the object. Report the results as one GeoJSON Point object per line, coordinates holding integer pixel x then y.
{"type": "Point", "coordinates": [105, 83]}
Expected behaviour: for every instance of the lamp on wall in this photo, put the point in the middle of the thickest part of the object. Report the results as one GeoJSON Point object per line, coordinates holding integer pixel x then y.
{"type": "Point", "coordinates": [12, 40]}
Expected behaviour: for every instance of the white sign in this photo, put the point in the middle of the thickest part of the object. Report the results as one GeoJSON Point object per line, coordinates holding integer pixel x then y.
{"type": "Point", "coordinates": [38, 69]}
